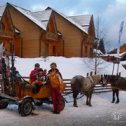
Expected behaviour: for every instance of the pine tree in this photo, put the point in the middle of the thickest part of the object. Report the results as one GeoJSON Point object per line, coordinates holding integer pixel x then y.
{"type": "Point", "coordinates": [101, 46]}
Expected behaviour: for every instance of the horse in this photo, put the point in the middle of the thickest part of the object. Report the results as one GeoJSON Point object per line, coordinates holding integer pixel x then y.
{"type": "Point", "coordinates": [117, 83]}
{"type": "Point", "coordinates": [85, 85]}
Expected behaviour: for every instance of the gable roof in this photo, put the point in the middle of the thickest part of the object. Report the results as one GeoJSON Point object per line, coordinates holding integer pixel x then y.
{"type": "Point", "coordinates": [28, 14]}
{"type": "Point", "coordinates": [68, 19]}
{"type": "Point", "coordinates": [82, 20]}
{"type": "Point", "coordinates": [42, 16]}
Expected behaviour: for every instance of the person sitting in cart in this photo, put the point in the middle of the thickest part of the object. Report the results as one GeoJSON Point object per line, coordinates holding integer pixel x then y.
{"type": "Point", "coordinates": [14, 74]}
{"type": "Point", "coordinates": [34, 73]}
{"type": "Point", "coordinates": [38, 80]}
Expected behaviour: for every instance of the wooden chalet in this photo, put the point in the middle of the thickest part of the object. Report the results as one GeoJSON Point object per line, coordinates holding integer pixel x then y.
{"type": "Point", "coordinates": [46, 33]}
{"type": "Point", "coordinates": [122, 49]}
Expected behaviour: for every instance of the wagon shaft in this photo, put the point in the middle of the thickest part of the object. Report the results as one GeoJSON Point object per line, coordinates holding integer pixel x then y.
{"type": "Point", "coordinates": [4, 96]}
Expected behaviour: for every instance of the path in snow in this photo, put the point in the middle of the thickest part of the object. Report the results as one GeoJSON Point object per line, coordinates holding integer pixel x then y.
{"type": "Point", "coordinates": [103, 113]}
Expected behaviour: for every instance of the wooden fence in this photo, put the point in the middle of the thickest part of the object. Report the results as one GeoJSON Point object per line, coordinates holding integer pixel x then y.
{"type": "Point", "coordinates": [98, 88]}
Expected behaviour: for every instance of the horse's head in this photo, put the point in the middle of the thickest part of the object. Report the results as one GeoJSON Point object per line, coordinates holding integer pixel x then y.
{"type": "Point", "coordinates": [104, 80]}
{"type": "Point", "coordinates": [110, 78]}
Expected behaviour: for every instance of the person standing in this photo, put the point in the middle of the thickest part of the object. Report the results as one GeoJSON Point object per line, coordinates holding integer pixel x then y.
{"type": "Point", "coordinates": [55, 79]}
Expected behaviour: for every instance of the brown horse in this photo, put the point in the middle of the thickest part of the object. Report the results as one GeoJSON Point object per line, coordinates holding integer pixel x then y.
{"type": "Point", "coordinates": [80, 84]}
{"type": "Point", "coordinates": [117, 83]}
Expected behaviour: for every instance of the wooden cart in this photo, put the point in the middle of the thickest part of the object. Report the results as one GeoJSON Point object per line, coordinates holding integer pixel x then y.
{"type": "Point", "coordinates": [13, 88]}
{"type": "Point", "coordinates": [26, 98]}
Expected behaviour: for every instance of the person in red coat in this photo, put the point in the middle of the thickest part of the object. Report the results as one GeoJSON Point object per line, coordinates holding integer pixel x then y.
{"type": "Point", "coordinates": [34, 73]}
{"type": "Point", "coordinates": [55, 78]}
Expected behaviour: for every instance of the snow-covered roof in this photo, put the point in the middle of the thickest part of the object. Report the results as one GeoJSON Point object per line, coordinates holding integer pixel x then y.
{"type": "Point", "coordinates": [16, 30]}
{"type": "Point", "coordinates": [42, 16]}
{"type": "Point", "coordinates": [68, 19]}
{"type": "Point", "coordinates": [28, 14]}
{"type": "Point", "coordinates": [116, 55]}
{"type": "Point", "coordinates": [82, 20]}
{"type": "Point", "coordinates": [97, 51]}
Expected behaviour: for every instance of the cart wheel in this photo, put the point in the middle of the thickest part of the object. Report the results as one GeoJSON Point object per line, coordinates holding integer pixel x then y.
{"type": "Point", "coordinates": [25, 107]}
{"type": "Point", "coordinates": [3, 103]}
{"type": "Point", "coordinates": [62, 103]}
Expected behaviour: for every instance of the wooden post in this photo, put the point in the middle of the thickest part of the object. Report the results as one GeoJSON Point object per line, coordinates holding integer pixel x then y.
{"type": "Point", "coordinates": [118, 67]}
{"type": "Point", "coordinates": [87, 74]}
{"type": "Point", "coordinates": [91, 73]}
{"type": "Point", "coordinates": [120, 74]}
{"type": "Point", "coordinates": [113, 68]}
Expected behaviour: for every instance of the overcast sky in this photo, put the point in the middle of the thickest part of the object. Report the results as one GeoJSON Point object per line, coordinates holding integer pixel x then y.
{"type": "Point", "coordinates": [110, 12]}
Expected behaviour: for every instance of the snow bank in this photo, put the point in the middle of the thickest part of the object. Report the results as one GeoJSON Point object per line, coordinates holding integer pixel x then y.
{"type": "Point", "coordinates": [69, 67]}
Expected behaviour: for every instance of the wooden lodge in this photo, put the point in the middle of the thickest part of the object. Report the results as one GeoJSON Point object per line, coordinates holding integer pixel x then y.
{"type": "Point", "coordinates": [122, 49]}
{"type": "Point", "coordinates": [46, 32]}
{"type": "Point", "coordinates": [112, 55]}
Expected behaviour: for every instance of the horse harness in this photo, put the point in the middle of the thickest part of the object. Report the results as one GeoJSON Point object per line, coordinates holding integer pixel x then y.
{"type": "Point", "coordinates": [89, 86]}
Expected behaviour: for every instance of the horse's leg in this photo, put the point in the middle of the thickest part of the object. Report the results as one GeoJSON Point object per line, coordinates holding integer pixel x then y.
{"type": "Point", "coordinates": [90, 96]}
{"type": "Point", "coordinates": [75, 94]}
{"type": "Point", "coordinates": [87, 101]}
{"type": "Point", "coordinates": [117, 95]}
{"type": "Point", "coordinates": [113, 94]}
{"type": "Point", "coordinates": [75, 103]}
{"type": "Point", "coordinates": [87, 98]}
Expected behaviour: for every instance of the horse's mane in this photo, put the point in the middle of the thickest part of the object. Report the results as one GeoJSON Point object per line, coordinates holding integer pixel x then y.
{"type": "Point", "coordinates": [96, 78]}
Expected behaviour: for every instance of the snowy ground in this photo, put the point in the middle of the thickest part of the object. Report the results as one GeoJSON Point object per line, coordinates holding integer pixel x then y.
{"type": "Point", "coordinates": [69, 67]}
{"type": "Point", "coordinates": [103, 113]}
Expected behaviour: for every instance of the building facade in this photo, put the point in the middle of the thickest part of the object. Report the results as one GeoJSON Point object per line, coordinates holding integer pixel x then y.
{"type": "Point", "coordinates": [46, 32]}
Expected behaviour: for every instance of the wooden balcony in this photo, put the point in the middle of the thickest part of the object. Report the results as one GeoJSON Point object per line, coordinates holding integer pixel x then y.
{"type": "Point", "coordinates": [6, 34]}
{"type": "Point", "coordinates": [51, 36]}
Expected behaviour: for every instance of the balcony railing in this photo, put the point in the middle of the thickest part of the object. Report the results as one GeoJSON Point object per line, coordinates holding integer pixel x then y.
{"type": "Point", "coordinates": [6, 34]}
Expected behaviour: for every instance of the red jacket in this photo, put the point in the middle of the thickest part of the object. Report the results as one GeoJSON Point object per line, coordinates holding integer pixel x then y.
{"type": "Point", "coordinates": [33, 75]}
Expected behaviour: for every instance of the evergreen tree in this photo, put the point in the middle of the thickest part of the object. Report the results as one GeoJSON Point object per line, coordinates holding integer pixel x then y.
{"type": "Point", "coordinates": [101, 46]}
{"type": "Point", "coordinates": [95, 45]}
